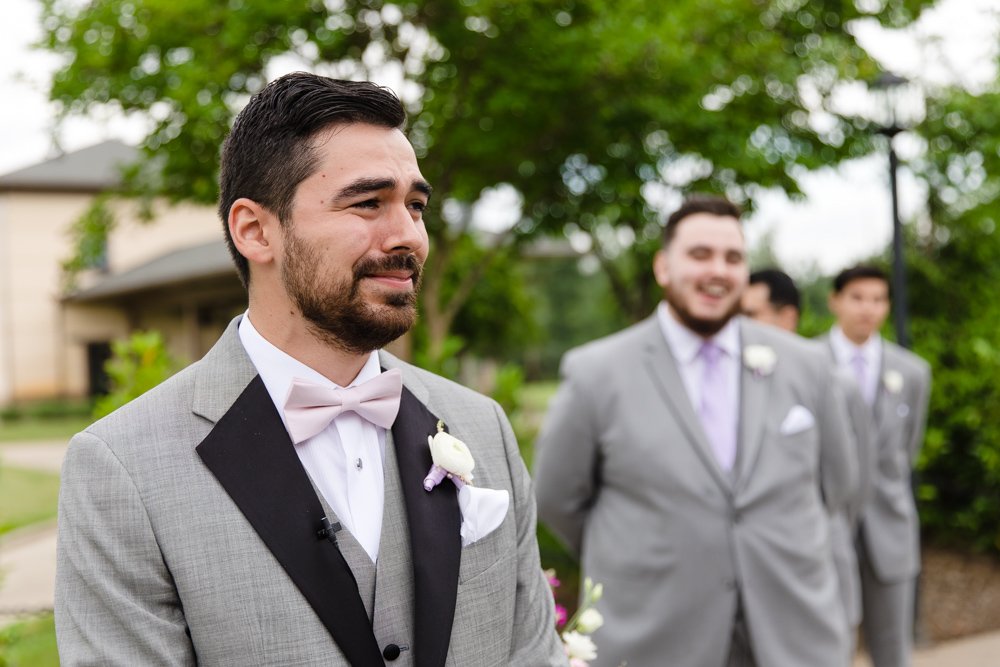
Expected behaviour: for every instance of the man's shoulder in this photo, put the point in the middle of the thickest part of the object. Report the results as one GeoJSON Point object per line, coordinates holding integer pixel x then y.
{"type": "Point", "coordinates": [785, 343]}
{"type": "Point", "coordinates": [610, 348]}
{"type": "Point", "coordinates": [163, 404]}
{"type": "Point", "coordinates": [421, 381]}
{"type": "Point", "coordinates": [905, 360]}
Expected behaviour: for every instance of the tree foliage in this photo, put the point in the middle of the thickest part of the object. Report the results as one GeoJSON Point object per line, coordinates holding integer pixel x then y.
{"type": "Point", "coordinates": [953, 277]}
{"type": "Point", "coordinates": [593, 110]}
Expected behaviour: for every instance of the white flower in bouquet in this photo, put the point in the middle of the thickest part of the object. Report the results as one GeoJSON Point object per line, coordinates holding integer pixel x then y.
{"type": "Point", "coordinates": [579, 646]}
{"type": "Point", "coordinates": [589, 621]}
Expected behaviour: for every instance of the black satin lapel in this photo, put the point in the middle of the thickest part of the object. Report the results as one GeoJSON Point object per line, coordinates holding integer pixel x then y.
{"type": "Point", "coordinates": [249, 452]}
{"type": "Point", "coordinates": [435, 538]}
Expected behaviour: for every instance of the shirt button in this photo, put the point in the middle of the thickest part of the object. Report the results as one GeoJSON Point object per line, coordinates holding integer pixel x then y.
{"type": "Point", "coordinates": [391, 652]}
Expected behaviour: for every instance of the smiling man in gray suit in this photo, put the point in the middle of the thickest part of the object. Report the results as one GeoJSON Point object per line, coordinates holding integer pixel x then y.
{"type": "Point", "coordinates": [895, 384]}
{"type": "Point", "coordinates": [267, 506]}
{"type": "Point", "coordinates": [692, 461]}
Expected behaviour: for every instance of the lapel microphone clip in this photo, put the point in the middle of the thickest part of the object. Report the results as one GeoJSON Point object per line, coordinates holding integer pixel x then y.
{"type": "Point", "coordinates": [328, 531]}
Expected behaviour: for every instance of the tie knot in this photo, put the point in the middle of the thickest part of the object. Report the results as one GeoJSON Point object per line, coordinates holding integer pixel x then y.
{"type": "Point", "coordinates": [710, 352]}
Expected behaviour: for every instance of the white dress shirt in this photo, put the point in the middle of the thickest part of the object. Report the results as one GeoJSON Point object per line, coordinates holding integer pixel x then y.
{"type": "Point", "coordinates": [685, 344]}
{"type": "Point", "coordinates": [346, 459]}
{"type": "Point", "coordinates": [844, 350]}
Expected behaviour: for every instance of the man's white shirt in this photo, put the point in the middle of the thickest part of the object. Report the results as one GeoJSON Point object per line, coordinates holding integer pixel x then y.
{"type": "Point", "coordinates": [346, 459]}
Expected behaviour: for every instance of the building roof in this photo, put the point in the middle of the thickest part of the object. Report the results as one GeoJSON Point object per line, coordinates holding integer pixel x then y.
{"type": "Point", "coordinates": [91, 169]}
{"type": "Point", "coordinates": [207, 260]}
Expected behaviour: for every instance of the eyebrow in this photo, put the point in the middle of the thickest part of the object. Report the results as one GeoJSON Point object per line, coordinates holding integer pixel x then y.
{"type": "Point", "coordinates": [363, 186]}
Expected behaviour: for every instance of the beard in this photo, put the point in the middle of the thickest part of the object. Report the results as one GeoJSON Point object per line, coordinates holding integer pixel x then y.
{"type": "Point", "coordinates": [336, 312]}
{"type": "Point", "coordinates": [702, 326]}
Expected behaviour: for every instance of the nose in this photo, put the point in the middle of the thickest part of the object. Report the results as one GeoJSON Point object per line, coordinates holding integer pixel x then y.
{"type": "Point", "coordinates": [404, 232]}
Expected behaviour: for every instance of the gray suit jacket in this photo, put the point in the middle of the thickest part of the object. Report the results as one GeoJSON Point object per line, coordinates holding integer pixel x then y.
{"type": "Point", "coordinates": [625, 475]}
{"type": "Point", "coordinates": [188, 534]}
{"type": "Point", "coordinates": [844, 524]}
{"type": "Point", "coordinates": [890, 528]}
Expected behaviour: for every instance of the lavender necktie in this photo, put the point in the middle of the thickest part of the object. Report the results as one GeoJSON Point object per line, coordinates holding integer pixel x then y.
{"type": "Point", "coordinates": [860, 367]}
{"type": "Point", "coordinates": [310, 407]}
{"type": "Point", "coordinates": [718, 414]}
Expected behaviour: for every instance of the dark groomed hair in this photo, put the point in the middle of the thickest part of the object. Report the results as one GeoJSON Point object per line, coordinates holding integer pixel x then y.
{"type": "Point", "coordinates": [780, 286]}
{"type": "Point", "coordinates": [270, 149]}
{"type": "Point", "coordinates": [699, 203]}
{"type": "Point", "coordinates": [858, 272]}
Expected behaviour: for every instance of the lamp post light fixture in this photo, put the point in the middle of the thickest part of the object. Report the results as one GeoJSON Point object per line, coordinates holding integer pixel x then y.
{"type": "Point", "coordinates": [900, 104]}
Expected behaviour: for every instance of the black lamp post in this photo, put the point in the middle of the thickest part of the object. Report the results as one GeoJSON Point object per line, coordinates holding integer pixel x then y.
{"type": "Point", "coordinates": [895, 96]}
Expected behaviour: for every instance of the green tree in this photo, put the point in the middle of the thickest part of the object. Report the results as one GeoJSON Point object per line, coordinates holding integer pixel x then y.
{"type": "Point", "coordinates": [592, 110]}
{"type": "Point", "coordinates": [953, 274]}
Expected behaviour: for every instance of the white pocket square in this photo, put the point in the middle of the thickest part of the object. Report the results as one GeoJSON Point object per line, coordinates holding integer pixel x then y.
{"type": "Point", "coordinates": [797, 420]}
{"type": "Point", "coordinates": [483, 510]}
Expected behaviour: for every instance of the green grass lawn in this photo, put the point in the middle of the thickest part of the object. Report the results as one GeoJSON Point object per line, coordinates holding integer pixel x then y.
{"type": "Point", "coordinates": [53, 428]}
{"type": "Point", "coordinates": [30, 643]}
{"type": "Point", "coordinates": [26, 497]}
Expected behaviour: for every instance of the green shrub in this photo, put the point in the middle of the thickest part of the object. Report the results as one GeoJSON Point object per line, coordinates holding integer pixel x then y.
{"type": "Point", "coordinates": [137, 364]}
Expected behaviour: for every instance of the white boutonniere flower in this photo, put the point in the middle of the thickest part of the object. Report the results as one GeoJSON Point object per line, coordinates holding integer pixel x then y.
{"type": "Point", "coordinates": [760, 359]}
{"type": "Point", "coordinates": [451, 458]}
{"type": "Point", "coordinates": [893, 381]}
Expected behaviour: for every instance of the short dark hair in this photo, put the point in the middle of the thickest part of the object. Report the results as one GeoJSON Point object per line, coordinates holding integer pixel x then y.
{"type": "Point", "coordinates": [699, 203]}
{"type": "Point", "coordinates": [858, 272]}
{"type": "Point", "coordinates": [270, 150]}
{"type": "Point", "coordinates": [781, 288]}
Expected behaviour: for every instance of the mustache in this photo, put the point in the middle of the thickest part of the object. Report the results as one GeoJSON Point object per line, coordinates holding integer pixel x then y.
{"type": "Point", "coordinates": [367, 266]}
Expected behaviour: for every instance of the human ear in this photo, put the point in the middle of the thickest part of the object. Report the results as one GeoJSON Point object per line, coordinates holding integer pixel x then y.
{"type": "Point", "coordinates": [660, 266]}
{"type": "Point", "coordinates": [253, 229]}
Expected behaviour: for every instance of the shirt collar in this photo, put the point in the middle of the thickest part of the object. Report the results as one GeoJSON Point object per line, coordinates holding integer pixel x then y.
{"type": "Point", "coordinates": [844, 349]}
{"type": "Point", "coordinates": [685, 344]}
{"type": "Point", "coordinates": [277, 368]}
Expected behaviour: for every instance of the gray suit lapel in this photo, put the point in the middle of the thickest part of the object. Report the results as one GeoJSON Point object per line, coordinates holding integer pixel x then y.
{"type": "Point", "coordinates": [754, 389]}
{"type": "Point", "coordinates": [662, 367]}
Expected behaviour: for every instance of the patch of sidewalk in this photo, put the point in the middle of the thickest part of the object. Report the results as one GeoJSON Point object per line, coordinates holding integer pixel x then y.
{"type": "Point", "coordinates": [46, 456]}
{"type": "Point", "coordinates": [976, 651]}
{"type": "Point", "coordinates": [28, 567]}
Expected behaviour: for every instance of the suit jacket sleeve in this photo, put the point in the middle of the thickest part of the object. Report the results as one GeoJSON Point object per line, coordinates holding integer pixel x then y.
{"type": "Point", "coordinates": [115, 601]}
{"type": "Point", "coordinates": [535, 641]}
{"type": "Point", "coordinates": [839, 462]}
{"type": "Point", "coordinates": [920, 403]}
{"type": "Point", "coordinates": [566, 459]}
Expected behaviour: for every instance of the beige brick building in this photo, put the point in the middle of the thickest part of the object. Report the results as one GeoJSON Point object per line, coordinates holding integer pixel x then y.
{"type": "Point", "coordinates": [173, 275]}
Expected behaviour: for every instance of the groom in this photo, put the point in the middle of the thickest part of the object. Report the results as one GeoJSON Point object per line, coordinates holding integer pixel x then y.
{"type": "Point", "coordinates": [693, 461]}
{"type": "Point", "coordinates": [267, 505]}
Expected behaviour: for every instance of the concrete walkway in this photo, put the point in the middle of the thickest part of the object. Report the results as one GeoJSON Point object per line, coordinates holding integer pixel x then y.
{"type": "Point", "coordinates": [27, 560]}
{"type": "Point", "coordinates": [27, 556]}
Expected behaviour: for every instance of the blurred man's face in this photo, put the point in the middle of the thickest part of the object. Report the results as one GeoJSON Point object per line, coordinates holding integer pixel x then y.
{"type": "Point", "coordinates": [861, 308]}
{"type": "Point", "coordinates": [756, 304]}
{"type": "Point", "coordinates": [703, 271]}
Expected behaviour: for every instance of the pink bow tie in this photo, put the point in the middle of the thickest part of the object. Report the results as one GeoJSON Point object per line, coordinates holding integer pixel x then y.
{"type": "Point", "coordinates": [309, 407]}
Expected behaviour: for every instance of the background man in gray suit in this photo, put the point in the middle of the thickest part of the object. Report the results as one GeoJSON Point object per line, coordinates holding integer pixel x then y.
{"type": "Point", "coordinates": [895, 384]}
{"type": "Point", "coordinates": [208, 522]}
{"type": "Point", "coordinates": [691, 461]}
{"type": "Point", "coordinates": [773, 298]}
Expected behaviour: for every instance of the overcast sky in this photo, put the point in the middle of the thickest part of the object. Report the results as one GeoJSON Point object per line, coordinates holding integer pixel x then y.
{"type": "Point", "coordinates": [847, 213]}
